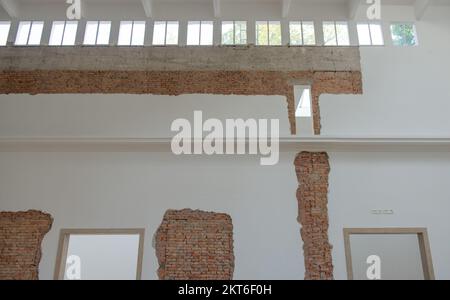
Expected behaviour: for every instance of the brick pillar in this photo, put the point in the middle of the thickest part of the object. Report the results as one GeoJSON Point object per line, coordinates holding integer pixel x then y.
{"type": "Point", "coordinates": [312, 194]}
{"type": "Point", "coordinates": [21, 235]}
{"type": "Point", "coordinates": [195, 245]}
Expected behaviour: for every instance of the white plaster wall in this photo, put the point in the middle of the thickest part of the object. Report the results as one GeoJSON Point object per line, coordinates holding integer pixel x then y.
{"type": "Point", "coordinates": [406, 89]}
{"type": "Point", "coordinates": [133, 190]}
{"type": "Point", "coordinates": [406, 93]}
{"type": "Point", "coordinates": [414, 185]}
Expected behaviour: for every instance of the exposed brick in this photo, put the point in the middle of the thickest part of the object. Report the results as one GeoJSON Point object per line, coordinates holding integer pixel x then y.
{"type": "Point", "coordinates": [184, 82]}
{"type": "Point", "coordinates": [21, 235]}
{"type": "Point", "coordinates": [312, 171]}
{"type": "Point", "coordinates": [195, 245]}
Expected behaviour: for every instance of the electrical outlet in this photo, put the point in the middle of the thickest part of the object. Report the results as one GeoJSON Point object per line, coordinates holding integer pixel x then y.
{"type": "Point", "coordinates": [382, 211]}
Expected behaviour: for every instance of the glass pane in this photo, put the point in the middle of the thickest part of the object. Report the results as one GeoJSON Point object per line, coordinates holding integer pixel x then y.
{"type": "Point", "coordinates": [56, 35]}
{"type": "Point", "coordinates": [377, 34]}
{"type": "Point", "coordinates": [22, 33]}
{"type": "Point", "coordinates": [207, 33]}
{"type": "Point", "coordinates": [309, 35]}
{"type": "Point", "coordinates": [295, 32]}
{"type": "Point", "coordinates": [138, 37]}
{"type": "Point", "coordinates": [342, 33]}
{"type": "Point", "coordinates": [227, 33]}
{"type": "Point", "coordinates": [4, 32]}
{"type": "Point", "coordinates": [363, 34]}
{"type": "Point", "coordinates": [274, 33]}
{"type": "Point", "coordinates": [329, 34]}
{"type": "Point", "coordinates": [102, 257]}
{"type": "Point", "coordinates": [240, 28]}
{"type": "Point", "coordinates": [159, 33]}
{"type": "Point", "coordinates": [262, 37]}
{"type": "Point", "coordinates": [304, 105]}
{"type": "Point", "coordinates": [90, 34]}
{"type": "Point", "coordinates": [193, 33]}
{"type": "Point", "coordinates": [70, 33]}
{"type": "Point", "coordinates": [404, 34]}
{"type": "Point", "coordinates": [125, 33]}
{"type": "Point", "coordinates": [399, 256]}
{"type": "Point", "coordinates": [36, 33]}
{"type": "Point", "coordinates": [104, 30]}
{"type": "Point", "coordinates": [172, 33]}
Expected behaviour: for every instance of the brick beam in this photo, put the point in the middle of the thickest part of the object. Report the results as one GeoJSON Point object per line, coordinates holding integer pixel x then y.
{"type": "Point", "coordinates": [241, 70]}
{"type": "Point", "coordinates": [312, 169]}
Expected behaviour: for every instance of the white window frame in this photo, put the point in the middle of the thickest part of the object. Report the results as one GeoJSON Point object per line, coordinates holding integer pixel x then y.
{"type": "Point", "coordinates": [130, 42]}
{"type": "Point", "coordinates": [234, 33]}
{"type": "Point", "coordinates": [64, 33]}
{"type": "Point", "coordinates": [200, 33]}
{"type": "Point", "coordinates": [63, 246]}
{"type": "Point", "coordinates": [370, 33]}
{"type": "Point", "coordinates": [336, 33]}
{"type": "Point", "coordinates": [8, 24]}
{"type": "Point", "coordinates": [302, 33]}
{"type": "Point", "coordinates": [96, 34]}
{"type": "Point", "coordinates": [165, 33]}
{"type": "Point", "coordinates": [268, 33]}
{"type": "Point", "coordinates": [29, 33]}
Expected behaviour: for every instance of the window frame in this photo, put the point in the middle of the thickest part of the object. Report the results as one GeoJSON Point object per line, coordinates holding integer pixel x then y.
{"type": "Point", "coordinates": [335, 23]}
{"type": "Point", "coordinates": [383, 42]}
{"type": "Point", "coordinates": [268, 33]}
{"type": "Point", "coordinates": [201, 22]}
{"type": "Point", "coordinates": [424, 246]}
{"type": "Point", "coordinates": [8, 34]}
{"type": "Point", "coordinates": [302, 32]}
{"type": "Point", "coordinates": [96, 34]}
{"type": "Point", "coordinates": [133, 23]}
{"type": "Point", "coordinates": [165, 33]}
{"type": "Point", "coordinates": [234, 33]}
{"type": "Point", "coordinates": [63, 246]}
{"type": "Point", "coordinates": [27, 44]}
{"type": "Point", "coordinates": [64, 33]}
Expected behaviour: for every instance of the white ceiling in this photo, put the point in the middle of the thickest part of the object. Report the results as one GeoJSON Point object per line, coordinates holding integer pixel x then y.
{"type": "Point", "coordinates": [45, 8]}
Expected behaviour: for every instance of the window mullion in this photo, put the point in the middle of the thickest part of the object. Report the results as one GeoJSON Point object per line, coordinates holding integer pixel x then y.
{"type": "Point", "coordinates": [64, 32]}
{"type": "Point", "coordinates": [132, 30]}
{"type": "Point", "coordinates": [200, 33]}
{"type": "Point", "coordinates": [303, 37]}
{"type": "Point", "coordinates": [165, 33]}
{"type": "Point", "coordinates": [29, 33]}
{"type": "Point", "coordinates": [336, 34]}
{"type": "Point", "coordinates": [96, 34]}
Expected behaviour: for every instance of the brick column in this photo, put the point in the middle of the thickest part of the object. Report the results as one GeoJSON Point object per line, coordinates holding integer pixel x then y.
{"type": "Point", "coordinates": [21, 235]}
{"type": "Point", "coordinates": [312, 171]}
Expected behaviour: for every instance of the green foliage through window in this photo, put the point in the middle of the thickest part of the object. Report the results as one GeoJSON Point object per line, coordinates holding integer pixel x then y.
{"type": "Point", "coordinates": [404, 34]}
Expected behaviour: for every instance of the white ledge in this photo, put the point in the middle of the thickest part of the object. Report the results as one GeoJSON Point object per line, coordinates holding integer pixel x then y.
{"type": "Point", "coordinates": [330, 144]}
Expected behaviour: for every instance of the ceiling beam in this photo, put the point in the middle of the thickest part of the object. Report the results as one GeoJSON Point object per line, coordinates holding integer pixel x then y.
{"type": "Point", "coordinates": [285, 7]}
{"type": "Point", "coordinates": [148, 7]}
{"type": "Point", "coordinates": [217, 8]}
{"type": "Point", "coordinates": [420, 7]}
{"type": "Point", "coordinates": [353, 8]}
{"type": "Point", "coordinates": [11, 7]}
